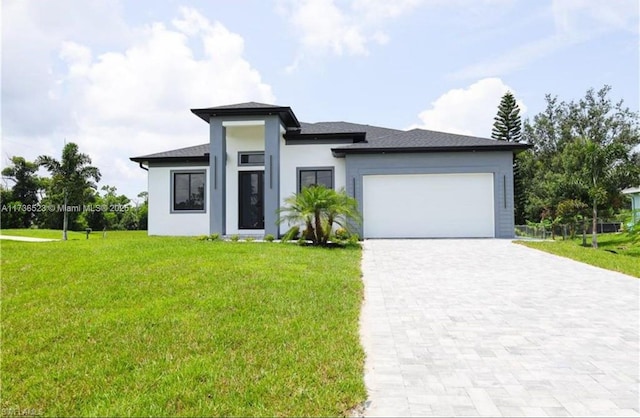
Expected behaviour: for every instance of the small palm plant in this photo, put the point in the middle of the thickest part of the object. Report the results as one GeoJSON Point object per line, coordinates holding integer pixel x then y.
{"type": "Point", "coordinates": [319, 208]}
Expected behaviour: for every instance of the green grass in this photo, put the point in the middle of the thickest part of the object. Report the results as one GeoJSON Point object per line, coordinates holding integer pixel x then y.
{"type": "Point", "coordinates": [137, 325]}
{"type": "Point", "coordinates": [626, 258]}
{"type": "Point", "coordinates": [71, 235]}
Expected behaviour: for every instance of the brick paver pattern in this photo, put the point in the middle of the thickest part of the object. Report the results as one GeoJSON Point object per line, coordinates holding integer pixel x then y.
{"type": "Point", "coordinates": [492, 328]}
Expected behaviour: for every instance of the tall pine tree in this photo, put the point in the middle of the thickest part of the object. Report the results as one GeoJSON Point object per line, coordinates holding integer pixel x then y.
{"type": "Point", "coordinates": [507, 125]}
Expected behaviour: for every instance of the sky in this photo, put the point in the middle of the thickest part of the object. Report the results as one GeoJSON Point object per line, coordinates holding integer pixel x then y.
{"type": "Point", "coordinates": [119, 77]}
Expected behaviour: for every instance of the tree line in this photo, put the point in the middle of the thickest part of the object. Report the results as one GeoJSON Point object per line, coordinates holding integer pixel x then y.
{"type": "Point", "coordinates": [583, 154]}
{"type": "Point", "coordinates": [68, 199]}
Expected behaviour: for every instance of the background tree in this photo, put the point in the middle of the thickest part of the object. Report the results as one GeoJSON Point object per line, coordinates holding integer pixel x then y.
{"type": "Point", "coordinates": [71, 177]}
{"type": "Point", "coordinates": [605, 137]}
{"type": "Point", "coordinates": [10, 210]}
{"type": "Point", "coordinates": [109, 211]}
{"type": "Point", "coordinates": [142, 210]}
{"type": "Point", "coordinates": [26, 186]}
{"type": "Point", "coordinates": [507, 125]}
{"type": "Point", "coordinates": [584, 151]}
{"type": "Point", "coordinates": [574, 212]}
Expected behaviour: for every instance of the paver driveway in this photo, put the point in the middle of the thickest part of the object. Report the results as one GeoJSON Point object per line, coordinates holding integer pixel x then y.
{"type": "Point", "coordinates": [489, 327]}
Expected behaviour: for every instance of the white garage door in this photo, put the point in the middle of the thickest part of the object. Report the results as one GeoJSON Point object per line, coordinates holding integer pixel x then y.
{"type": "Point", "coordinates": [428, 205]}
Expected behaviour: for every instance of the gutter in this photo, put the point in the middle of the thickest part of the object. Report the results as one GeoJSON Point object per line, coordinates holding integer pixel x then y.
{"type": "Point", "coordinates": [341, 152]}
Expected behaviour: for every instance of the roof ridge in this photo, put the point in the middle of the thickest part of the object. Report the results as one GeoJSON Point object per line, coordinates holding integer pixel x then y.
{"type": "Point", "coordinates": [354, 123]}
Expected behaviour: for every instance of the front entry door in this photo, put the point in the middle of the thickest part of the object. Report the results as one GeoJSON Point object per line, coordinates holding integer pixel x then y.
{"type": "Point", "coordinates": [251, 200]}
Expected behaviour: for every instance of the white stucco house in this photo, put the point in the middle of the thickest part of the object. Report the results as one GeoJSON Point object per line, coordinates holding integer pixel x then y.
{"type": "Point", "coordinates": [408, 184]}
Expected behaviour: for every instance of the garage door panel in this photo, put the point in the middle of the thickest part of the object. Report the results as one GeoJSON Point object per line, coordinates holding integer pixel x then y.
{"type": "Point", "coordinates": [428, 205]}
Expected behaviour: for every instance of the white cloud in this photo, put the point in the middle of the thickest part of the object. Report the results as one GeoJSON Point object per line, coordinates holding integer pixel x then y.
{"type": "Point", "coordinates": [514, 59]}
{"type": "Point", "coordinates": [132, 100]}
{"type": "Point", "coordinates": [575, 22]}
{"type": "Point", "coordinates": [376, 10]}
{"type": "Point", "coordinates": [467, 111]}
{"type": "Point", "coordinates": [324, 27]}
{"type": "Point", "coordinates": [331, 27]}
{"type": "Point", "coordinates": [588, 17]}
{"type": "Point", "coordinates": [351, 27]}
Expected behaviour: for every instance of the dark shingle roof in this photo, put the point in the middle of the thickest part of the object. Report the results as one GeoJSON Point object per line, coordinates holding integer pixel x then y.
{"type": "Point", "coordinates": [366, 138]}
{"type": "Point", "coordinates": [249, 109]}
{"type": "Point", "coordinates": [346, 127]}
{"type": "Point", "coordinates": [195, 153]}
{"type": "Point", "coordinates": [246, 105]}
{"type": "Point", "coordinates": [428, 141]}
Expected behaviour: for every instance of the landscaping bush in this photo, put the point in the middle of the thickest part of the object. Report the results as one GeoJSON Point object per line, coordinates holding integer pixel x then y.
{"type": "Point", "coordinates": [292, 234]}
{"type": "Point", "coordinates": [341, 234]}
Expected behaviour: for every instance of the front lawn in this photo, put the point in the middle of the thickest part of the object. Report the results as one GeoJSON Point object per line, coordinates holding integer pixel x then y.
{"type": "Point", "coordinates": [618, 252]}
{"type": "Point", "coordinates": [136, 325]}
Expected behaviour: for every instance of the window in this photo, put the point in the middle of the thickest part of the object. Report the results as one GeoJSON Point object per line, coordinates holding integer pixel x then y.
{"type": "Point", "coordinates": [188, 191]}
{"type": "Point", "coordinates": [251, 158]}
{"type": "Point", "coordinates": [314, 176]}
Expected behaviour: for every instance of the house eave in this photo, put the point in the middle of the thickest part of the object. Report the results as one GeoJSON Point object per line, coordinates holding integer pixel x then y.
{"type": "Point", "coordinates": [341, 152]}
{"type": "Point", "coordinates": [147, 160]}
{"type": "Point", "coordinates": [285, 113]}
{"type": "Point", "coordinates": [295, 137]}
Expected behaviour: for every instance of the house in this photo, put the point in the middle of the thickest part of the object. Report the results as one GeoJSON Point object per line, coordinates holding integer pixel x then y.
{"type": "Point", "coordinates": [634, 193]}
{"type": "Point", "coordinates": [408, 184]}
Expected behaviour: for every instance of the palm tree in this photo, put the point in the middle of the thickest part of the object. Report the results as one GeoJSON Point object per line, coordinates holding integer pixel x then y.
{"type": "Point", "coordinates": [72, 174]}
{"type": "Point", "coordinates": [319, 208]}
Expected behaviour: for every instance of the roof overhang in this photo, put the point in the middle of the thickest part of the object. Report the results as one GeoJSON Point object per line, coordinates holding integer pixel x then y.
{"type": "Point", "coordinates": [285, 113]}
{"type": "Point", "coordinates": [341, 152]}
{"type": "Point", "coordinates": [294, 136]}
{"type": "Point", "coordinates": [182, 159]}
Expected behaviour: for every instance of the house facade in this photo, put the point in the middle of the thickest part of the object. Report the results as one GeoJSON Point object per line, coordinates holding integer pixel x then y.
{"type": "Point", "coordinates": [634, 194]}
{"type": "Point", "coordinates": [408, 184]}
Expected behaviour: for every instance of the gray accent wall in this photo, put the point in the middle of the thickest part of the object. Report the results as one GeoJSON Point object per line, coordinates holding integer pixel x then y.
{"type": "Point", "coordinates": [271, 174]}
{"type": "Point", "coordinates": [218, 181]}
{"type": "Point", "coordinates": [500, 163]}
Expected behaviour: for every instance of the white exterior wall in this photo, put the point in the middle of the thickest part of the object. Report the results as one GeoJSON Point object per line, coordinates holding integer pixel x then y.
{"type": "Point", "coordinates": [161, 220]}
{"type": "Point", "coordinates": [240, 138]}
{"type": "Point", "coordinates": [293, 157]}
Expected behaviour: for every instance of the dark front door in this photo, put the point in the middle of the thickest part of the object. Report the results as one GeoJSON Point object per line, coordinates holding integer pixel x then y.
{"type": "Point", "coordinates": [251, 200]}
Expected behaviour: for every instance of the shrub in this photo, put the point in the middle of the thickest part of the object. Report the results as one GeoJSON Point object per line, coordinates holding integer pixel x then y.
{"type": "Point", "coordinates": [269, 238]}
{"type": "Point", "coordinates": [319, 208]}
{"type": "Point", "coordinates": [212, 237]}
{"type": "Point", "coordinates": [234, 238]}
{"type": "Point", "coordinates": [291, 234]}
{"type": "Point", "coordinates": [341, 234]}
{"type": "Point", "coordinates": [354, 239]}
{"type": "Point", "coordinates": [249, 239]}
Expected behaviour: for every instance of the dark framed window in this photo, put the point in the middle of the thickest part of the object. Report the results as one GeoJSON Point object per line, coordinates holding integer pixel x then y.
{"type": "Point", "coordinates": [251, 158]}
{"type": "Point", "coordinates": [188, 191]}
{"type": "Point", "coordinates": [315, 176]}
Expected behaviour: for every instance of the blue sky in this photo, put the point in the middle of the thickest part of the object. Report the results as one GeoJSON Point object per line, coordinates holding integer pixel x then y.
{"type": "Point", "coordinates": [119, 76]}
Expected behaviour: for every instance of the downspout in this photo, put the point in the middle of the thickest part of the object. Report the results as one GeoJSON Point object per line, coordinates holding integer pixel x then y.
{"type": "Point", "coordinates": [143, 167]}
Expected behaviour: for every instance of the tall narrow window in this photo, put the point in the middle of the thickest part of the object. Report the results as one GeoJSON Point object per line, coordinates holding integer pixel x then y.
{"type": "Point", "coordinates": [251, 200]}
{"type": "Point", "coordinates": [315, 176]}
{"type": "Point", "coordinates": [188, 191]}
